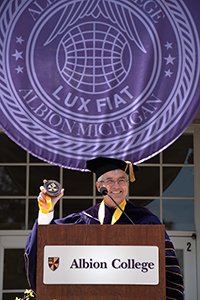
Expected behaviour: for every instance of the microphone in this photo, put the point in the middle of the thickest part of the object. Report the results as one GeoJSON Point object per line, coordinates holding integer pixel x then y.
{"type": "Point", "coordinates": [104, 191]}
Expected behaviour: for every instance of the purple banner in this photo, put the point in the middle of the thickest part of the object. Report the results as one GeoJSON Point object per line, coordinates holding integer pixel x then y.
{"type": "Point", "coordinates": [87, 78]}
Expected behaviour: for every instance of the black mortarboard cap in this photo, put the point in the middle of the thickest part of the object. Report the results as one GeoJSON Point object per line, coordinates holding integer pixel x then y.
{"type": "Point", "coordinates": [101, 165]}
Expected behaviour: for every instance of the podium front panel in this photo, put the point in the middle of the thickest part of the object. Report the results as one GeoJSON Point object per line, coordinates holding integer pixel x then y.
{"type": "Point", "coordinates": [117, 236]}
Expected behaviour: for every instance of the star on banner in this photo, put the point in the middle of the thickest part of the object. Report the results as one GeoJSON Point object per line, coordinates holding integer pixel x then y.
{"type": "Point", "coordinates": [169, 59]}
{"type": "Point", "coordinates": [168, 46]}
{"type": "Point", "coordinates": [19, 69]}
{"type": "Point", "coordinates": [17, 55]}
{"type": "Point", "coordinates": [168, 73]}
{"type": "Point", "coordinates": [19, 40]}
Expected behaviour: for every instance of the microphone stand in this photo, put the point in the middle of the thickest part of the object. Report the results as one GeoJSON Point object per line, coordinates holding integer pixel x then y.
{"type": "Point", "coordinates": [103, 191]}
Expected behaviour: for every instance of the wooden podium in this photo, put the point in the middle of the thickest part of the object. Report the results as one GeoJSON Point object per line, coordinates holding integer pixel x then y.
{"type": "Point", "coordinates": [82, 235]}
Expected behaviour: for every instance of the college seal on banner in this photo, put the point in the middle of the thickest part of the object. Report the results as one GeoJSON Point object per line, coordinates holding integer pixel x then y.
{"type": "Point", "coordinates": [88, 78]}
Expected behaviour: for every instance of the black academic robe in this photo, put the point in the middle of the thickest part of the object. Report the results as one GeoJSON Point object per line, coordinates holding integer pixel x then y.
{"type": "Point", "coordinates": [139, 215]}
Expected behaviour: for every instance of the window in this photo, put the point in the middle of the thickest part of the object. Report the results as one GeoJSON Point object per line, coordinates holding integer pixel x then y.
{"type": "Point", "coordinates": [165, 184]}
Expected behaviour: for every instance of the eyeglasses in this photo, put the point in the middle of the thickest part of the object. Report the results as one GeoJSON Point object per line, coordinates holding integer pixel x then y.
{"type": "Point", "coordinates": [111, 182]}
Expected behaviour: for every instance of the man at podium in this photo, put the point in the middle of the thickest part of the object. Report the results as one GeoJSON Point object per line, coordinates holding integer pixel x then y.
{"type": "Point", "coordinates": [112, 182]}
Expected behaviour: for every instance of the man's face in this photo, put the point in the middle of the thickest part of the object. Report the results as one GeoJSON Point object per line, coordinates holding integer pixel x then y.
{"type": "Point", "coordinates": [117, 186]}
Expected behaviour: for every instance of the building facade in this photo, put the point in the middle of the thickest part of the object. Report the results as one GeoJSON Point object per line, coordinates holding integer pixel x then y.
{"type": "Point", "coordinates": [168, 184]}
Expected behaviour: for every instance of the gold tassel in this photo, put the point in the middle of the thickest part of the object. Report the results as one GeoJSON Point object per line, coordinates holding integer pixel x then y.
{"type": "Point", "coordinates": [131, 171]}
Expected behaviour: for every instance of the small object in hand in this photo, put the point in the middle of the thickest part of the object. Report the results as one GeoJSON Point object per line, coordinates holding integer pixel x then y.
{"type": "Point", "coordinates": [52, 187]}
